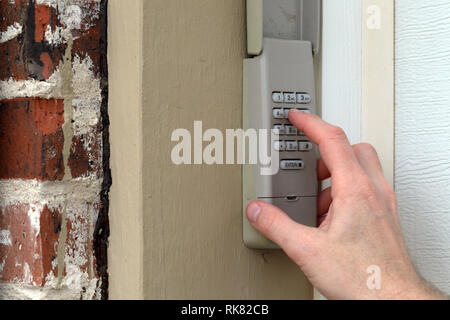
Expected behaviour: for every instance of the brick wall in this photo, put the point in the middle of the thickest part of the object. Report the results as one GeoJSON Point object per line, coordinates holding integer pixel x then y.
{"type": "Point", "coordinates": [54, 152]}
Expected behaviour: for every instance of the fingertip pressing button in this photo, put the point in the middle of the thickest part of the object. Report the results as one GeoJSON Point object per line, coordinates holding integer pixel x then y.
{"type": "Point", "coordinates": [305, 111]}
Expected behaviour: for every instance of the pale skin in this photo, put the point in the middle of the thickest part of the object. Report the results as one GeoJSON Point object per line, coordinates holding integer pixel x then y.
{"type": "Point", "coordinates": [358, 224]}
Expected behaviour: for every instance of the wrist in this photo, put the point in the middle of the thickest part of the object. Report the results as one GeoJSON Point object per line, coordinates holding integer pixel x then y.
{"type": "Point", "coordinates": [413, 288]}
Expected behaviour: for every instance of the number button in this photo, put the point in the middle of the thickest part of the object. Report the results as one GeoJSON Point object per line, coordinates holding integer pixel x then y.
{"type": "Point", "coordinates": [279, 146]}
{"type": "Point", "coordinates": [289, 98]}
{"type": "Point", "coordinates": [290, 130]}
{"type": "Point", "coordinates": [305, 146]}
{"type": "Point", "coordinates": [278, 113]}
{"type": "Point", "coordinates": [277, 97]}
{"type": "Point", "coordinates": [280, 129]}
{"type": "Point", "coordinates": [291, 146]}
{"type": "Point", "coordinates": [303, 98]}
{"type": "Point", "coordinates": [286, 113]}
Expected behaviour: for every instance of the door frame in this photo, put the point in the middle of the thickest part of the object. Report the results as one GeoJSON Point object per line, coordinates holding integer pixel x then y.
{"type": "Point", "coordinates": [358, 73]}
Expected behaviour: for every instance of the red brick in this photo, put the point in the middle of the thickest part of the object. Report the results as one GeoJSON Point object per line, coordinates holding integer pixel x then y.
{"type": "Point", "coordinates": [25, 245]}
{"type": "Point", "coordinates": [11, 65]}
{"type": "Point", "coordinates": [88, 45]}
{"type": "Point", "coordinates": [31, 145]}
{"type": "Point", "coordinates": [31, 139]}
{"type": "Point", "coordinates": [50, 228]}
{"type": "Point", "coordinates": [48, 65]}
{"type": "Point", "coordinates": [42, 20]}
{"type": "Point", "coordinates": [38, 248]}
{"type": "Point", "coordinates": [84, 159]}
{"type": "Point", "coordinates": [28, 55]}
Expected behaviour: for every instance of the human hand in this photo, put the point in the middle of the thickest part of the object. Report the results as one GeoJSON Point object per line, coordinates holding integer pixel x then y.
{"type": "Point", "coordinates": [358, 221]}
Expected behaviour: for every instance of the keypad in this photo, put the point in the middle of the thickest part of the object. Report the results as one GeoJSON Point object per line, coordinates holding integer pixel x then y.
{"type": "Point", "coordinates": [292, 141]}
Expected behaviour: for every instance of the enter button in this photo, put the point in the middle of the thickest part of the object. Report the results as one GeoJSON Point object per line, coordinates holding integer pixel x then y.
{"type": "Point", "coordinates": [292, 164]}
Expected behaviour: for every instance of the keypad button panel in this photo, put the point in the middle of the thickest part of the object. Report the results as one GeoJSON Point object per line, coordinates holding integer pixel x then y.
{"type": "Point", "coordinates": [292, 143]}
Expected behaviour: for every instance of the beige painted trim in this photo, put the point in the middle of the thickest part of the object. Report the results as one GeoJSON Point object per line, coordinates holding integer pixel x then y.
{"type": "Point", "coordinates": [378, 110]}
{"type": "Point", "coordinates": [125, 253]}
{"type": "Point", "coordinates": [254, 26]}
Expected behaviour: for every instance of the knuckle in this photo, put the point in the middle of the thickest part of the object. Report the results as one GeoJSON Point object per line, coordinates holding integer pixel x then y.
{"type": "Point", "coordinates": [369, 148]}
{"type": "Point", "coordinates": [390, 196]}
{"type": "Point", "coordinates": [366, 149]}
{"type": "Point", "coordinates": [337, 133]}
{"type": "Point", "coordinates": [365, 188]}
{"type": "Point", "coordinates": [373, 198]}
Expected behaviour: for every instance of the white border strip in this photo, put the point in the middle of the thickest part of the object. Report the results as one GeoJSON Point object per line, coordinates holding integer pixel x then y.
{"type": "Point", "coordinates": [341, 66]}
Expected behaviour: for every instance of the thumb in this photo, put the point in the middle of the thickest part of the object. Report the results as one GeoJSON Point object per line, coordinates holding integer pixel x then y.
{"type": "Point", "coordinates": [295, 239]}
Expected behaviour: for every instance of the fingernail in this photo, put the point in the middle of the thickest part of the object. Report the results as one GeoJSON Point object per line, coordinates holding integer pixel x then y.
{"type": "Point", "coordinates": [253, 211]}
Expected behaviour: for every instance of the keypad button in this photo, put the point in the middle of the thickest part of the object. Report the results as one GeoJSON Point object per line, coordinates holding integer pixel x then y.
{"type": "Point", "coordinates": [286, 113]}
{"type": "Point", "coordinates": [289, 98]}
{"type": "Point", "coordinates": [291, 146]}
{"type": "Point", "coordinates": [279, 146]}
{"type": "Point", "coordinates": [278, 113]}
{"type": "Point", "coordinates": [305, 146]}
{"type": "Point", "coordinates": [291, 164]}
{"type": "Point", "coordinates": [304, 111]}
{"type": "Point", "coordinates": [290, 130]}
{"type": "Point", "coordinates": [277, 97]}
{"type": "Point", "coordinates": [303, 98]}
{"type": "Point", "coordinates": [280, 129]}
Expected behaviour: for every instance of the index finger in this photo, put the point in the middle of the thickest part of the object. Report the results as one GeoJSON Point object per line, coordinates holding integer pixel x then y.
{"type": "Point", "coordinates": [335, 149]}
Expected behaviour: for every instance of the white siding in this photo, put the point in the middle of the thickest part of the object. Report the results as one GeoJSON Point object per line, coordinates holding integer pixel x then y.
{"type": "Point", "coordinates": [423, 134]}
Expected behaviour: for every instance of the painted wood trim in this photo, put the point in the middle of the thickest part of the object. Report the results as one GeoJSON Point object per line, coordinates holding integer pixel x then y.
{"type": "Point", "coordinates": [341, 65]}
{"type": "Point", "coordinates": [125, 252]}
{"type": "Point", "coordinates": [377, 81]}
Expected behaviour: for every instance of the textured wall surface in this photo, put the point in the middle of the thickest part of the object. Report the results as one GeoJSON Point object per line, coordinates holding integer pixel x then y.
{"type": "Point", "coordinates": [54, 175]}
{"type": "Point", "coordinates": [423, 134]}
